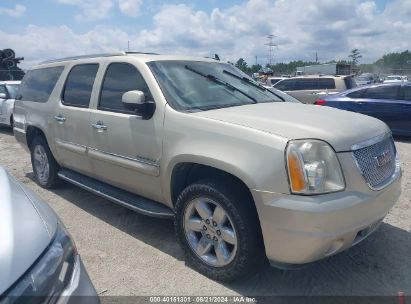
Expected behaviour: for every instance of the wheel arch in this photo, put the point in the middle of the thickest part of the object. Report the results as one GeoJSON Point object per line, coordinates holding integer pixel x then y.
{"type": "Point", "coordinates": [32, 132]}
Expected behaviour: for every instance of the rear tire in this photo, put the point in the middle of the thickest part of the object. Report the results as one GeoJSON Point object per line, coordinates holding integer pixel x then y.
{"type": "Point", "coordinates": [221, 252]}
{"type": "Point", "coordinates": [44, 165]}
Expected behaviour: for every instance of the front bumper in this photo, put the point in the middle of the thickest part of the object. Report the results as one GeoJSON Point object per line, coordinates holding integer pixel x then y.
{"type": "Point", "coordinates": [80, 289]}
{"type": "Point", "coordinates": [302, 229]}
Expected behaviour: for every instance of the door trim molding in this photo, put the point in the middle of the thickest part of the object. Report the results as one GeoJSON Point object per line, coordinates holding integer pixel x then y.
{"type": "Point", "coordinates": [143, 166]}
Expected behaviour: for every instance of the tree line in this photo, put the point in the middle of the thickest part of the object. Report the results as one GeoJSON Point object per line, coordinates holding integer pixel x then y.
{"type": "Point", "coordinates": [399, 63]}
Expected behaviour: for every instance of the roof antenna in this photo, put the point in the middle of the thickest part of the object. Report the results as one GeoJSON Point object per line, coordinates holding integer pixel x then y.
{"type": "Point", "coordinates": [216, 57]}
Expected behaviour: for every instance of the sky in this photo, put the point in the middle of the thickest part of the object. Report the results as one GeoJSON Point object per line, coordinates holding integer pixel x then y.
{"type": "Point", "coordinates": [45, 29]}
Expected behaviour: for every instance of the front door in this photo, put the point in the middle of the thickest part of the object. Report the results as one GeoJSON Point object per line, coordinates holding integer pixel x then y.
{"type": "Point", "coordinates": [72, 118]}
{"type": "Point", "coordinates": [125, 150]}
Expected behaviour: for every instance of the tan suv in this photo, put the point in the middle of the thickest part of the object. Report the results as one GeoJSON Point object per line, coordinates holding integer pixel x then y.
{"type": "Point", "coordinates": [308, 89]}
{"type": "Point", "coordinates": [245, 175]}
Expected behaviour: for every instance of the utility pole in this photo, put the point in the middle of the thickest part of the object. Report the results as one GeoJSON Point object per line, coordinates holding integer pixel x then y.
{"type": "Point", "coordinates": [316, 57]}
{"type": "Point", "coordinates": [270, 44]}
{"type": "Point", "coordinates": [128, 45]}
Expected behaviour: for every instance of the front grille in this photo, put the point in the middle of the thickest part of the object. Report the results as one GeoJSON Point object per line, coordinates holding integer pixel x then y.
{"type": "Point", "coordinates": [377, 162]}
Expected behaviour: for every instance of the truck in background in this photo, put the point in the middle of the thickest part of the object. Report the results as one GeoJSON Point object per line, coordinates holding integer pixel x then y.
{"type": "Point", "coordinates": [325, 69]}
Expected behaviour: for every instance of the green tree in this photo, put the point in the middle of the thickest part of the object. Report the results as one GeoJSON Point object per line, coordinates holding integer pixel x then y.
{"type": "Point", "coordinates": [355, 56]}
{"type": "Point", "coordinates": [242, 65]}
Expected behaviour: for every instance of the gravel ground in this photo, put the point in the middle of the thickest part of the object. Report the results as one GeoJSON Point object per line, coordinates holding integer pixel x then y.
{"type": "Point", "coordinates": [129, 254]}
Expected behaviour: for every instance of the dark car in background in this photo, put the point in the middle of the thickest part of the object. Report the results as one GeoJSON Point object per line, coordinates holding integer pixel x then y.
{"type": "Point", "coordinates": [390, 103]}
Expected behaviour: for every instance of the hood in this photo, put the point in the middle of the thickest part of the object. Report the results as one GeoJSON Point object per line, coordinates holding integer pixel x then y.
{"type": "Point", "coordinates": [26, 229]}
{"type": "Point", "coordinates": [340, 128]}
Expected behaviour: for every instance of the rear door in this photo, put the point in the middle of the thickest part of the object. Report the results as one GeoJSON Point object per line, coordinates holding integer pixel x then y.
{"type": "Point", "coordinates": [404, 122]}
{"type": "Point", "coordinates": [72, 118]}
{"type": "Point", "coordinates": [381, 102]}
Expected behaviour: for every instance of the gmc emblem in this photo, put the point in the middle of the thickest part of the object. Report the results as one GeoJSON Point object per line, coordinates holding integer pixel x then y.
{"type": "Point", "coordinates": [383, 159]}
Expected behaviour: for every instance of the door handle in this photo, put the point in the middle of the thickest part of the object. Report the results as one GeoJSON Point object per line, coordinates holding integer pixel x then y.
{"type": "Point", "coordinates": [60, 118]}
{"type": "Point", "coordinates": [99, 126]}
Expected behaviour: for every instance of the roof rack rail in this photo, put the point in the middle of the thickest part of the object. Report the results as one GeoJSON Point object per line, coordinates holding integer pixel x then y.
{"type": "Point", "coordinates": [142, 53]}
{"type": "Point", "coordinates": [84, 57]}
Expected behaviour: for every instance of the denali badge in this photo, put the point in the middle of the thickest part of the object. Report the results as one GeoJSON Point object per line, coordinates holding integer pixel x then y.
{"type": "Point", "coordinates": [383, 159]}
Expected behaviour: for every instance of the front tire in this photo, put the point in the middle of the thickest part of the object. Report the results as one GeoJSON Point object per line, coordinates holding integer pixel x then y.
{"type": "Point", "coordinates": [44, 165]}
{"type": "Point", "coordinates": [218, 228]}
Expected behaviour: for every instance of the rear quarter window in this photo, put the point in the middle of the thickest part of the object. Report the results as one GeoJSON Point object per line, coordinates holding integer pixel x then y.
{"type": "Point", "coordinates": [38, 84]}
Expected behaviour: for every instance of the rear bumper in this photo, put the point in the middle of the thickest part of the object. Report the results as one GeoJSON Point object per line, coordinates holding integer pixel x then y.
{"type": "Point", "coordinates": [80, 290]}
{"type": "Point", "coordinates": [302, 229]}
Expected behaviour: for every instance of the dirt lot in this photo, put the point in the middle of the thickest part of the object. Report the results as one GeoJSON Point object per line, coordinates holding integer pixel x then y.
{"type": "Point", "coordinates": [129, 254]}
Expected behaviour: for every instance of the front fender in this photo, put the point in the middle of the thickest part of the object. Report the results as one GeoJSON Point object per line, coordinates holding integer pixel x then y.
{"type": "Point", "coordinates": [253, 156]}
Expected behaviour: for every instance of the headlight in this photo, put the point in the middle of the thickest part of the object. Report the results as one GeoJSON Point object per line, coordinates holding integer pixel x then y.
{"type": "Point", "coordinates": [313, 167]}
{"type": "Point", "coordinates": [50, 274]}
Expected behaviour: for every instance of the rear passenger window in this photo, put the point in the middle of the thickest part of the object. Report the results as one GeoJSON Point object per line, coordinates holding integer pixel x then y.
{"type": "Point", "coordinates": [326, 83]}
{"type": "Point", "coordinates": [119, 79]}
{"type": "Point", "coordinates": [382, 92]}
{"type": "Point", "coordinates": [38, 84]}
{"type": "Point", "coordinates": [79, 85]}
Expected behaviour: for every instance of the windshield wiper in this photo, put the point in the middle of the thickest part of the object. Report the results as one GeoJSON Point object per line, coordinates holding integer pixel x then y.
{"type": "Point", "coordinates": [220, 81]}
{"type": "Point", "coordinates": [245, 79]}
{"type": "Point", "coordinates": [254, 84]}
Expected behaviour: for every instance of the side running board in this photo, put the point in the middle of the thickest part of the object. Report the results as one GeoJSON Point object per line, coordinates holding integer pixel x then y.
{"type": "Point", "coordinates": [124, 198]}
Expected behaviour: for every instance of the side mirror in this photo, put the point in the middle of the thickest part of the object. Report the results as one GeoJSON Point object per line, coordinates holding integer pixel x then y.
{"type": "Point", "coordinates": [133, 98]}
{"type": "Point", "coordinates": [136, 101]}
{"type": "Point", "coordinates": [3, 96]}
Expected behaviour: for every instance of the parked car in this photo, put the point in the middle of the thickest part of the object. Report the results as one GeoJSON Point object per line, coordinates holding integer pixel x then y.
{"type": "Point", "coordinates": [245, 175]}
{"type": "Point", "coordinates": [389, 102]}
{"type": "Point", "coordinates": [39, 262]}
{"type": "Point", "coordinates": [366, 79]}
{"type": "Point", "coordinates": [8, 91]}
{"type": "Point", "coordinates": [395, 79]}
{"type": "Point", "coordinates": [308, 89]}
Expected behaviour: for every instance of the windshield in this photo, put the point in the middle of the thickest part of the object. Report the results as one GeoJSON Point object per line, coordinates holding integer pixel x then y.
{"type": "Point", "coordinates": [200, 86]}
{"type": "Point", "coordinates": [12, 88]}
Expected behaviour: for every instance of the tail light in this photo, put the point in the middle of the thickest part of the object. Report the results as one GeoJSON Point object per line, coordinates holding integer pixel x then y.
{"type": "Point", "coordinates": [320, 102]}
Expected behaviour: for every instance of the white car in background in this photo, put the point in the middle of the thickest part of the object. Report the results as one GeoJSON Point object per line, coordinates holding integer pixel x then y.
{"type": "Point", "coordinates": [395, 78]}
{"type": "Point", "coordinates": [8, 92]}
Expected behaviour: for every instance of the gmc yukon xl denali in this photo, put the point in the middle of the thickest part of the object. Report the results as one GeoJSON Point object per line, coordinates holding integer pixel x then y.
{"type": "Point", "coordinates": [246, 176]}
